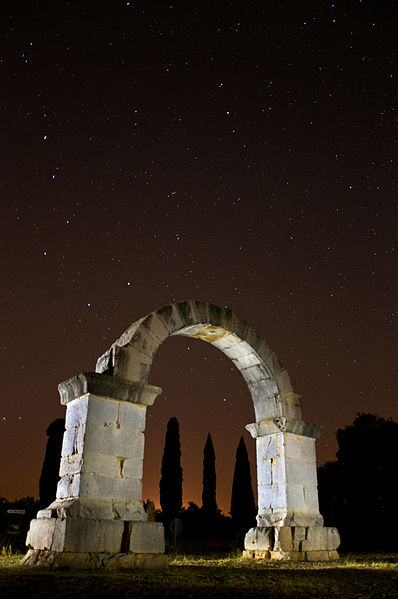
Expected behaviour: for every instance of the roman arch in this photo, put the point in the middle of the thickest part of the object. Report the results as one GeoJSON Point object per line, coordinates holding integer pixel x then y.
{"type": "Point", "coordinates": [97, 519]}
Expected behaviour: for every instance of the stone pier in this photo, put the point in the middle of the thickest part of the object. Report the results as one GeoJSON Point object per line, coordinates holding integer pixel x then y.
{"type": "Point", "coordinates": [97, 519]}
{"type": "Point", "coordinates": [289, 525]}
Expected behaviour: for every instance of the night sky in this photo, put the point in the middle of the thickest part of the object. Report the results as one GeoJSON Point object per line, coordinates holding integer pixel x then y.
{"type": "Point", "coordinates": [243, 153]}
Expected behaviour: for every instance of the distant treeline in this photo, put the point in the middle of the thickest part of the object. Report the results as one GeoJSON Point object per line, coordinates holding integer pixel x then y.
{"type": "Point", "coordinates": [357, 492]}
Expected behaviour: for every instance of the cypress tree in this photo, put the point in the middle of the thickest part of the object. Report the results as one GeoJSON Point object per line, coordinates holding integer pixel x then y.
{"type": "Point", "coordinates": [209, 503]}
{"type": "Point", "coordinates": [171, 473]}
{"type": "Point", "coordinates": [243, 507]}
{"type": "Point", "coordinates": [50, 470]}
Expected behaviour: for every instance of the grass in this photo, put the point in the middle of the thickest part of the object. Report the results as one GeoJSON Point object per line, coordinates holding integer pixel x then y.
{"type": "Point", "coordinates": [353, 576]}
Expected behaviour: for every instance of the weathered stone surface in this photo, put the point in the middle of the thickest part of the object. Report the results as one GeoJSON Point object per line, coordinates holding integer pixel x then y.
{"type": "Point", "coordinates": [321, 538]}
{"type": "Point", "coordinates": [95, 509]}
{"type": "Point", "coordinates": [104, 385]}
{"type": "Point", "coordinates": [116, 442]}
{"type": "Point", "coordinates": [147, 537]}
{"type": "Point", "coordinates": [132, 417]}
{"type": "Point", "coordinates": [109, 561]}
{"type": "Point", "coordinates": [93, 485]}
{"type": "Point", "coordinates": [301, 473]}
{"type": "Point", "coordinates": [259, 538]}
{"type": "Point", "coordinates": [299, 533]}
{"type": "Point", "coordinates": [75, 535]}
{"type": "Point", "coordinates": [292, 543]}
{"type": "Point", "coordinates": [283, 538]}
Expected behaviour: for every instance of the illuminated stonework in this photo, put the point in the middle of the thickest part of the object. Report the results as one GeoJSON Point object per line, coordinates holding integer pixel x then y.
{"type": "Point", "coordinates": [97, 519]}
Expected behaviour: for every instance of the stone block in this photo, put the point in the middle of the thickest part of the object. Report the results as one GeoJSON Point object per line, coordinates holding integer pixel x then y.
{"type": "Point", "coordinates": [41, 533]}
{"type": "Point", "coordinates": [307, 518]}
{"type": "Point", "coordinates": [316, 539]}
{"type": "Point", "coordinates": [300, 448]}
{"type": "Point", "coordinates": [266, 399]}
{"type": "Point", "coordinates": [132, 468]}
{"type": "Point", "coordinates": [68, 486]}
{"type": "Point", "coordinates": [301, 472]}
{"type": "Point", "coordinates": [274, 496]}
{"type": "Point", "coordinates": [106, 487]}
{"type": "Point", "coordinates": [132, 417]}
{"type": "Point", "coordinates": [76, 412]}
{"type": "Point", "coordinates": [71, 464]}
{"type": "Point", "coordinates": [102, 412]}
{"type": "Point", "coordinates": [84, 535]}
{"type": "Point", "coordinates": [259, 538]}
{"type": "Point", "coordinates": [227, 340]}
{"type": "Point", "coordinates": [116, 442]}
{"type": "Point", "coordinates": [146, 537]}
{"type": "Point", "coordinates": [238, 350]}
{"type": "Point", "coordinates": [269, 447]}
{"type": "Point", "coordinates": [293, 406]}
{"type": "Point", "coordinates": [299, 533]}
{"type": "Point", "coordinates": [254, 374]}
{"type": "Point", "coordinates": [284, 384]}
{"type": "Point", "coordinates": [295, 497]}
{"type": "Point", "coordinates": [144, 342]}
{"type": "Point", "coordinates": [264, 493]}
{"type": "Point", "coordinates": [283, 538]}
{"type": "Point", "coordinates": [246, 361]}
{"type": "Point", "coordinates": [155, 327]}
{"type": "Point", "coordinates": [75, 535]}
{"type": "Point", "coordinates": [264, 472]}
{"type": "Point", "coordinates": [333, 538]}
{"type": "Point", "coordinates": [311, 497]}
{"type": "Point", "coordinates": [317, 556]}
{"type": "Point", "coordinates": [96, 463]}
{"type": "Point", "coordinates": [170, 318]}
{"type": "Point", "coordinates": [132, 364]}
{"type": "Point", "coordinates": [129, 510]}
{"type": "Point", "coordinates": [278, 471]}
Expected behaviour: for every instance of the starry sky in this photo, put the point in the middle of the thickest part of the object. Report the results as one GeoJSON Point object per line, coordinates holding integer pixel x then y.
{"type": "Point", "coordinates": [239, 152]}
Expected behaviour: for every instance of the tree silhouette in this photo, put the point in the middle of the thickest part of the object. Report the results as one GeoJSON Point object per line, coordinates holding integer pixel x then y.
{"type": "Point", "coordinates": [50, 470]}
{"type": "Point", "coordinates": [357, 493]}
{"type": "Point", "coordinates": [243, 507]}
{"type": "Point", "coordinates": [209, 502]}
{"type": "Point", "coordinates": [170, 485]}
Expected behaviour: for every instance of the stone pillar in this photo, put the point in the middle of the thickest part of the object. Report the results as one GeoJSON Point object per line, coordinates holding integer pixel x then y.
{"type": "Point", "coordinates": [97, 519]}
{"type": "Point", "coordinates": [289, 525]}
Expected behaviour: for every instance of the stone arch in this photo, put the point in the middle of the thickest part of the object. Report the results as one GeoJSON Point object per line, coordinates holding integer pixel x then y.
{"type": "Point", "coordinates": [97, 518]}
{"type": "Point", "coordinates": [130, 357]}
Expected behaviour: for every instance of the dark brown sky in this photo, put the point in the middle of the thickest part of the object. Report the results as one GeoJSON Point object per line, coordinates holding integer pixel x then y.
{"type": "Point", "coordinates": [243, 153]}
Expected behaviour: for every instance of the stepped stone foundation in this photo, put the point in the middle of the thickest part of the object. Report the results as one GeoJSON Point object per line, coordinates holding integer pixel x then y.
{"type": "Point", "coordinates": [97, 519]}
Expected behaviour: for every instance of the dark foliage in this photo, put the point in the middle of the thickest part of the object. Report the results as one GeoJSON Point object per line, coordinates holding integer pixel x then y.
{"type": "Point", "coordinates": [171, 473]}
{"type": "Point", "coordinates": [357, 494]}
{"type": "Point", "coordinates": [209, 502]}
{"type": "Point", "coordinates": [50, 471]}
{"type": "Point", "coordinates": [243, 507]}
{"type": "Point", "coordinates": [13, 527]}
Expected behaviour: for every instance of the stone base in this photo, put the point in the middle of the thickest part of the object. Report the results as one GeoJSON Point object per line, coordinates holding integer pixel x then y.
{"type": "Point", "coordinates": [115, 561]}
{"type": "Point", "coordinates": [84, 535]}
{"type": "Point", "coordinates": [297, 543]}
{"type": "Point", "coordinates": [293, 556]}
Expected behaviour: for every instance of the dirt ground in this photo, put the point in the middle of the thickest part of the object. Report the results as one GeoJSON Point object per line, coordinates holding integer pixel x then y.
{"type": "Point", "coordinates": [359, 576]}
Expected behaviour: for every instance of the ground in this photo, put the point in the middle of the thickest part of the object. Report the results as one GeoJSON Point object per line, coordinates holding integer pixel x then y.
{"type": "Point", "coordinates": [353, 576]}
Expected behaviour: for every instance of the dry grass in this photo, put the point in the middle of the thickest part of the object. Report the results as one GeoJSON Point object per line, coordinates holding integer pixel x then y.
{"type": "Point", "coordinates": [353, 576]}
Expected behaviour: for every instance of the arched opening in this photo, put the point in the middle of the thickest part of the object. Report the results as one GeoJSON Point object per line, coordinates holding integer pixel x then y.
{"type": "Point", "coordinates": [204, 390]}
